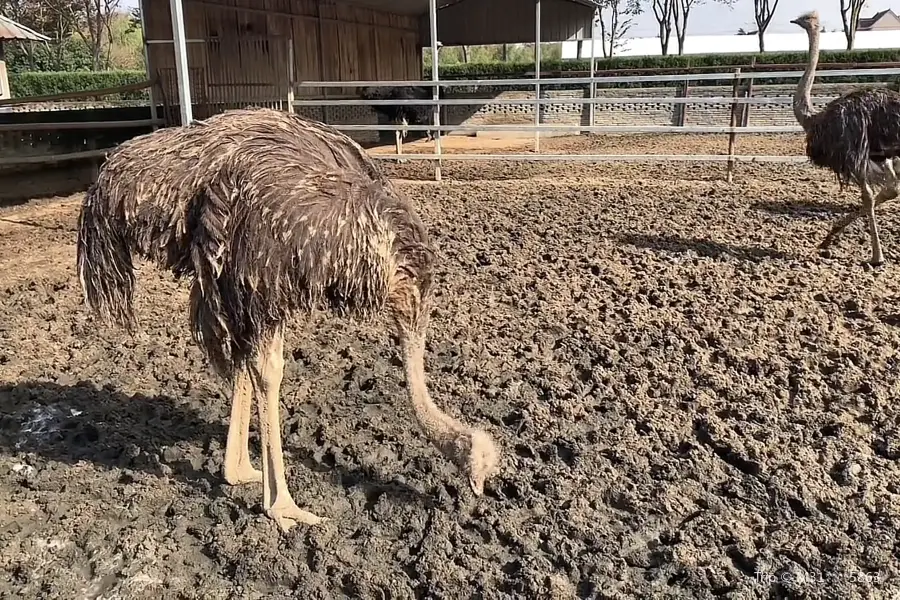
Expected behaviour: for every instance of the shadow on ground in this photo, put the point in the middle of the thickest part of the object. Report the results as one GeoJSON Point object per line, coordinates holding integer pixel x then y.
{"type": "Point", "coordinates": [113, 430]}
{"type": "Point", "coordinates": [703, 247]}
{"type": "Point", "coordinates": [803, 208]}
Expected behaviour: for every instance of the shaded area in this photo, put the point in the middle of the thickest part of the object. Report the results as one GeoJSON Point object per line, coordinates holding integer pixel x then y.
{"type": "Point", "coordinates": [803, 208]}
{"type": "Point", "coordinates": [113, 430]}
{"type": "Point", "coordinates": [101, 425]}
{"type": "Point", "coordinates": [702, 246]}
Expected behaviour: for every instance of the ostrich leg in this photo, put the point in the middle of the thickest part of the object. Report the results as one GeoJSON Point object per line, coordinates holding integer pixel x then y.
{"type": "Point", "coordinates": [890, 191]}
{"type": "Point", "coordinates": [238, 469]}
{"type": "Point", "coordinates": [869, 210]}
{"type": "Point", "coordinates": [267, 373]}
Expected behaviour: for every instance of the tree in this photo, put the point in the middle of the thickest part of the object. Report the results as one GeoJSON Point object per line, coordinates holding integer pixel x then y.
{"type": "Point", "coordinates": [764, 10]}
{"type": "Point", "coordinates": [675, 14]}
{"type": "Point", "coordinates": [682, 11]}
{"type": "Point", "coordinates": [850, 10]}
{"type": "Point", "coordinates": [93, 23]}
{"type": "Point", "coordinates": [615, 18]}
{"type": "Point", "coordinates": [50, 17]}
{"type": "Point", "coordinates": [662, 10]}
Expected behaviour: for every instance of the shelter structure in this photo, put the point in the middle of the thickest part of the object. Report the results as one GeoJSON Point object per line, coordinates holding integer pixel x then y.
{"type": "Point", "coordinates": [10, 31]}
{"type": "Point", "coordinates": [212, 55]}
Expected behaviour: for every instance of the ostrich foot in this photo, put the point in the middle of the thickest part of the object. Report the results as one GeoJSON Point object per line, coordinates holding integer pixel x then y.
{"type": "Point", "coordinates": [287, 514]}
{"type": "Point", "coordinates": [242, 474]}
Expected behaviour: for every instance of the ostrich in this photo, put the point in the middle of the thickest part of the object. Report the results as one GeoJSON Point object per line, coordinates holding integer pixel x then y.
{"type": "Point", "coordinates": [857, 136]}
{"type": "Point", "coordinates": [402, 114]}
{"type": "Point", "coordinates": [267, 213]}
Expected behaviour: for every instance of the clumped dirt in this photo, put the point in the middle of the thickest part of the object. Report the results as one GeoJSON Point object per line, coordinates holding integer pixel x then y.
{"type": "Point", "coordinates": [692, 403]}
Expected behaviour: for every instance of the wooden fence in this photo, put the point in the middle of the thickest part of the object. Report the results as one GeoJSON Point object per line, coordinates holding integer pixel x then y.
{"type": "Point", "coordinates": [26, 142]}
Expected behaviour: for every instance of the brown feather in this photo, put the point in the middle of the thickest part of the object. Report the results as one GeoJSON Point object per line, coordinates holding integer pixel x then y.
{"type": "Point", "coordinates": [266, 212]}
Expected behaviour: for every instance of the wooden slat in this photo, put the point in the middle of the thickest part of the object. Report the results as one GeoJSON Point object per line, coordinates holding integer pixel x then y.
{"type": "Point", "coordinates": [73, 95]}
{"type": "Point", "coordinates": [244, 59]}
{"type": "Point", "coordinates": [53, 158]}
{"type": "Point", "coordinates": [70, 125]}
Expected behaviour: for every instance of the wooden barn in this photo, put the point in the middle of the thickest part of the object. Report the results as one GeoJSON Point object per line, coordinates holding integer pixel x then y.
{"type": "Point", "coordinates": [241, 52]}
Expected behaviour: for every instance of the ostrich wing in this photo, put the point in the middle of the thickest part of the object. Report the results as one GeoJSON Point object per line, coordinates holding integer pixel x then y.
{"type": "Point", "coordinates": [853, 130]}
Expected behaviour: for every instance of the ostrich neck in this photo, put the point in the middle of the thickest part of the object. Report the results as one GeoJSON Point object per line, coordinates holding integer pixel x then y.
{"type": "Point", "coordinates": [803, 96]}
{"type": "Point", "coordinates": [441, 428]}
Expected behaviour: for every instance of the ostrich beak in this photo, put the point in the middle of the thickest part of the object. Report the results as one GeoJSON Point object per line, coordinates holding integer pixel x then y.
{"type": "Point", "coordinates": [795, 21]}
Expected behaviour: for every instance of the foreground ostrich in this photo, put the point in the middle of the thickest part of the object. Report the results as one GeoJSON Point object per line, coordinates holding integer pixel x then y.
{"type": "Point", "coordinates": [402, 114]}
{"type": "Point", "coordinates": [857, 136]}
{"type": "Point", "coordinates": [267, 213]}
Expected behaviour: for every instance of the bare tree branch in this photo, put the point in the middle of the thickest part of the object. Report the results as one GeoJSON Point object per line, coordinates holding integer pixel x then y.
{"type": "Point", "coordinates": [850, 10]}
{"type": "Point", "coordinates": [616, 18]}
{"type": "Point", "coordinates": [662, 10]}
{"type": "Point", "coordinates": [763, 10]}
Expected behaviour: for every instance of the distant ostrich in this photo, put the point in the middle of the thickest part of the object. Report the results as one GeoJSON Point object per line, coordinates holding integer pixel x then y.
{"type": "Point", "coordinates": [402, 114]}
{"type": "Point", "coordinates": [267, 213]}
{"type": "Point", "coordinates": [857, 136]}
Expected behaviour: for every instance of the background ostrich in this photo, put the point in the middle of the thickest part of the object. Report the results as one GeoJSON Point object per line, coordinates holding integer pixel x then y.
{"type": "Point", "coordinates": [857, 136]}
{"type": "Point", "coordinates": [402, 114]}
{"type": "Point", "coordinates": [267, 213]}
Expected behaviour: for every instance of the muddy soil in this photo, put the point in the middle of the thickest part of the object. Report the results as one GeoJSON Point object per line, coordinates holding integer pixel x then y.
{"type": "Point", "coordinates": [691, 402]}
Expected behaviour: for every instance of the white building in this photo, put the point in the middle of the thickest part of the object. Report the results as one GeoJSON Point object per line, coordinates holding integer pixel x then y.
{"type": "Point", "coordinates": [739, 44]}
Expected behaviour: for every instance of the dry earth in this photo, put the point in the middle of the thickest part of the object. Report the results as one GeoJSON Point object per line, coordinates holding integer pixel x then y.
{"type": "Point", "coordinates": [692, 403]}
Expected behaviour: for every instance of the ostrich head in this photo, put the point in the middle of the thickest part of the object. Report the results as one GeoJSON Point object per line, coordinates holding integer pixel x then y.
{"type": "Point", "coordinates": [475, 455]}
{"type": "Point", "coordinates": [809, 21]}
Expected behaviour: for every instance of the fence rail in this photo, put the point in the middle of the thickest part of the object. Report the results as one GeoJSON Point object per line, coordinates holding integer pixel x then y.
{"type": "Point", "coordinates": [782, 100]}
{"type": "Point", "coordinates": [600, 80]}
{"type": "Point", "coordinates": [740, 101]}
{"type": "Point", "coordinates": [600, 157]}
{"type": "Point", "coordinates": [576, 128]}
{"type": "Point", "coordinates": [90, 152]}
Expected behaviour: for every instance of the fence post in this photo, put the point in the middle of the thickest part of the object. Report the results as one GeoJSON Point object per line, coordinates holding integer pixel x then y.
{"type": "Point", "coordinates": [680, 110]}
{"type": "Point", "coordinates": [436, 89]}
{"type": "Point", "coordinates": [592, 91]}
{"type": "Point", "coordinates": [290, 91]}
{"type": "Point", "coordinates": [537, 76]}
{"type": "Point", "coordinates": [732, 135]}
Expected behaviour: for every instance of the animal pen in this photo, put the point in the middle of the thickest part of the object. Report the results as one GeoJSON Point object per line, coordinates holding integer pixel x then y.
{"type": "Point", "coordinates": [314, 57]}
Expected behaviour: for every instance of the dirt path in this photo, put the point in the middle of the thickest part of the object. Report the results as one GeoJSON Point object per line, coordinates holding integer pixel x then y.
{"type": "Point", "coordinates": [691, 401]}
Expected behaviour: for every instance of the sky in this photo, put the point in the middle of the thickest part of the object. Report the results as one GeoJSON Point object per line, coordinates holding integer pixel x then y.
{"type": "Point", "coordinates": [712, 18]}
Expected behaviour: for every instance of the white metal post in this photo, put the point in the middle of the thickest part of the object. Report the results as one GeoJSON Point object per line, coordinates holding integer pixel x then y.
{"type": "Point", "coordinates": [150, 76]}
{"type": "Point", "coordinates": [290, 73]}
{"type": "Point", "coordinates": [592, 91]}
{"type": "Point", "coordinates": [181, 63]}
{"type": "Point", "coordinates": [537, 75]}
{"type": "Point", "coordinates": [435, 77]}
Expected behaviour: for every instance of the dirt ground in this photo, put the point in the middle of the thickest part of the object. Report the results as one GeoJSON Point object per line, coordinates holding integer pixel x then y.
{"type": "Point", "coordinates": [691, 403]}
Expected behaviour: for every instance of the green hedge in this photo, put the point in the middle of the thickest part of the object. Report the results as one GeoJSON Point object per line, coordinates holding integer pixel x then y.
{"type": "Point", "coordinates": [48, 82]}
{"type": "Point", "coordinates": [510, 70]}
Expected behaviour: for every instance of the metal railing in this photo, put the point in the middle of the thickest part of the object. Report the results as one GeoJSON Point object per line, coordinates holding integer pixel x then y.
{"type": "Point", "coordinates": [601, 80]}
{"type": "Point", "coordinates": [92, 153]}
{"type": "Point", "coordinates": [739, 103]}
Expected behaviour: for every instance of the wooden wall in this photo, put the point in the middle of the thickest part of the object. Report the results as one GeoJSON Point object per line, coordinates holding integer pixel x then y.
{"type": "Point", "coordinates": [238, 50]}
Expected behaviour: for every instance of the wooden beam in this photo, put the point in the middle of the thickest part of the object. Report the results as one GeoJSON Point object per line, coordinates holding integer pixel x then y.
{"type": "Point", "coordinates": [263, 11]}
{"type": "Point", "coordinates": [53, 158]}
{"type": "Point", "coordinates": [84, 94]}
{"type": "Point", "coordinates": [69, 125]}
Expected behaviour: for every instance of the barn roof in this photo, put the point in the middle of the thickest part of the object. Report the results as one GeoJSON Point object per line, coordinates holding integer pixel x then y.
{"type": "Point", "coordinates": [420, 7]}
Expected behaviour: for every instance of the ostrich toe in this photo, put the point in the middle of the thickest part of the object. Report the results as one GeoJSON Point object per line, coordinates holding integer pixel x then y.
{"type": "Point", "coordinates": [287, 514]}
